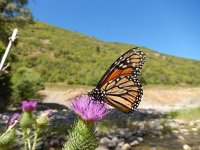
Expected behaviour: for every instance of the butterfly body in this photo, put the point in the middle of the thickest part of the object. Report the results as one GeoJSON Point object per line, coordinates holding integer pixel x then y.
{"type": "Point", "coordinates": [120, 86]}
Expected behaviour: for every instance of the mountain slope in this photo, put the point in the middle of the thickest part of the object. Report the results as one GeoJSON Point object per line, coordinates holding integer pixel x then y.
{"type": "Point", "coordinates": [61, 55]}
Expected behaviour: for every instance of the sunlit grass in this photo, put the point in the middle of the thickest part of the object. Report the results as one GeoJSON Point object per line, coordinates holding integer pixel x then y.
{"type": "Point", "coordinates": [188, 114]}
{"type": "Point", "coordinates": [64, 86]}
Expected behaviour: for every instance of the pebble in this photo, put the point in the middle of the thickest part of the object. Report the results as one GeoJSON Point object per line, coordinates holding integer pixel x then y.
{"type": "Point", "coordinates": [113, 143]}
{"type": "Point", "coordinates": [54, 142]}
{"type": "Point", "coordinates": [101, 148]}
{"type": "Point", "coordinates": [186, 147]}
{"type": "Point", "coordinates": [105, 141]}
{"type": "Point", "coordinates": [180, 137]}
{"type": "Point", "coordinates": [135, 143]}
{"type": "Point", "coordinates": [126, 147]}
{"type": "Point", "coordinates": [173, 125]}
{"type": "Point", "coordinates": [120, 144]}
{"type": "Point", "coordinates": [140, 139]}
{"type": "Point", "coordinates": [124, 138]}
{"type": "Point", "coordinates": [194, 129]}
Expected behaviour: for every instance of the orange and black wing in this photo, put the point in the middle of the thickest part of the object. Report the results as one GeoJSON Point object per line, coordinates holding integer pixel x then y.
{"type": "Point", "coordinates": [124, 93]}
{"type": "Point", "coordinates": [130, 63]}
{"type": "Point", "coordinates": [120, 83]}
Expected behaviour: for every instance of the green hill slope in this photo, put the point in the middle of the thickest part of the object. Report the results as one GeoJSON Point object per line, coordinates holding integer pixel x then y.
{"type": "Point", "coordinates": [61, 55]}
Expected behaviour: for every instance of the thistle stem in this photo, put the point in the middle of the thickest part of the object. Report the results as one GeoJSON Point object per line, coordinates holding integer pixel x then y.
{"type": "Point", "coordinates": [28, 139]}
{"type": "Point", "coordinates": [25, 141]}
{"type": "Point", "coordinates": [35, 139]}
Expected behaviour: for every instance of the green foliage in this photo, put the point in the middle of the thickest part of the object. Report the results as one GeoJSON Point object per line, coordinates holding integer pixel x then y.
{"type": "Point", "coordinates": [63, 56]}
{"type": "Point", "coordinates": [26, 82]}
{"type": "Point", "coordinates": [27, 120]}
{"type": "Point", "coordinates": [7, 139]}
{"type": "Point", "coordinates": [185, 114]}
{"type": "Point", "coordinates": [5, 90]}
{"type": "Point", "coordinates": [13, 11]}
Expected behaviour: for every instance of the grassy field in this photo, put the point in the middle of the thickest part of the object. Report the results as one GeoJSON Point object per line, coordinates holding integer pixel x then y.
{"type": "Point", "coordinates": [64, 56]}
{"type": "Point", "coordinates": [187, 114]}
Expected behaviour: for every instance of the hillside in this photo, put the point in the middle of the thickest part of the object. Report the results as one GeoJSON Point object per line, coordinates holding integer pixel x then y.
{"type": "Point", "coordinates": [64, 56]}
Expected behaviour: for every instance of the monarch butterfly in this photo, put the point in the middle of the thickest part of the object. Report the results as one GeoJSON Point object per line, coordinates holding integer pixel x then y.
{"type": "Point", "coordinates": [120, 86]}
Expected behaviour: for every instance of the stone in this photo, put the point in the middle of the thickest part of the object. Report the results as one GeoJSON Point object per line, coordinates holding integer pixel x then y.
{"type": "Point", "coordinates": [128, 135]}
{"type": "Point", "coordinates": [186, 147]}
{"type": "Point", "coordinates": [194, 129]}
{"type": "Point", "coordinates": [175, 131]}
{"type": "Point", "coordinates": [115, 139]}
{"type": "Point", "coordinates": [101, 148]}
{"type": "Point", "coordinates": [135, 143]}
{"type": "Point", "coordinates": [113, 143]}
{"type": "Point", "coordinates": [120, 144]}
{"type": "Point", "coordinates": [122, 133]}
{"type": "Point", "coordinates": [180, 137]}
{"type": "Point", "coordinates": [140, 139]}
{"type": "Point", "coordinates": [126, 147]}
{"type": "Point", "coordinates": [105, 141]}
{"type": "Point", "coordinates": [54, 142]}
{"type": "Point", "coordinates": [173, 125]}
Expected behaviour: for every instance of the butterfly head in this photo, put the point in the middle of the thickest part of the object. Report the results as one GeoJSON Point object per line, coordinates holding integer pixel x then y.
{"type": "Point", "coordinates": [97, 95]}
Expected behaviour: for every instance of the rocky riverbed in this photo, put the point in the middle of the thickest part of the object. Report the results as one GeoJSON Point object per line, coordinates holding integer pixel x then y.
{"type": "Point", "coordinates": [145, 129]}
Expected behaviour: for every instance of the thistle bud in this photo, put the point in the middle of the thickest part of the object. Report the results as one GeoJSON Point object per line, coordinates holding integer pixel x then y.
{"type": "Point", "coordinates": [43, 118]}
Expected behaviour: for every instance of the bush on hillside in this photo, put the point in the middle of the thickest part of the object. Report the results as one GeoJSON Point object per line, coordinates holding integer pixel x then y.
{"type": "Point", "coordinates": [26, 83]}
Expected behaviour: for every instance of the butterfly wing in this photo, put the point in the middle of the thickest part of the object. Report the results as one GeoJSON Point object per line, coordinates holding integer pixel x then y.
{"type": "Point", "coordinates": [120, 82]}
{"type": "Point", "coordinates": [123, 93]}
{"type": "Point", "coordinates": [129, 63]}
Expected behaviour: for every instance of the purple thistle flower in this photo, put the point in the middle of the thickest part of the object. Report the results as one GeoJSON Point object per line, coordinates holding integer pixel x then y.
{"type": "Point", "coordinates": [29, 105]}
{"type": "Point", "coordinates": [14, 118]}
{"type": "Point", "coordinates": [89, 110]}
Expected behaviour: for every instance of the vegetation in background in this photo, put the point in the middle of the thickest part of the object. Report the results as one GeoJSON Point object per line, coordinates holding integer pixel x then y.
{"type": "Point", "coordinates": [26, 83]}
{"type": "Point", "coordinates": [13, 11]}
{"type": "Point", "coordinates": [187, 114]}
{"type": "Point", "coordinates": [64, 56]}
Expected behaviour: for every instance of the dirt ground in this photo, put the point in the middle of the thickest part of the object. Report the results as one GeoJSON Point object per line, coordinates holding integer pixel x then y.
{"type": "Point", "coordinates": [156, 97]}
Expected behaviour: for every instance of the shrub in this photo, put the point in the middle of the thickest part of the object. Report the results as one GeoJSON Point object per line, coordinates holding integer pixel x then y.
{"type": "Point", "coordinates": [26, 83]}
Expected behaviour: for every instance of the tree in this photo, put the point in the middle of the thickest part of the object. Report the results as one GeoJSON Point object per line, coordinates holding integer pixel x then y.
{"type": "Point", "coordinates": [13, 11]}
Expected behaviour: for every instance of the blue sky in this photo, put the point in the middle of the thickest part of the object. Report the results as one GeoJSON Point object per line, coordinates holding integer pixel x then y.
{"type": "Point", "coordinates": [167, 26]}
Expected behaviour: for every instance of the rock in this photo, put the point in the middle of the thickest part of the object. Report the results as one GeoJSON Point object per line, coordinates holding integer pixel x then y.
{"type": "Point", "coordinates": [39, 144]}
{"type": "Point", "coordinates": [191, 123]}
{"type": "Point", "coordinates": [101, 148]}
{"type": "Point", "coordinates": [186, 147]}
{"type": "Point", "coordinates": [141, 125]}
{"type": "Point", "coordinates": [54, 142]}
{"type": "Point", "coordinates": [127, 136]}
{"type": "Point", "coordinates": [113, 142]}
{"type": "Point", "coordinates": [180, 137]}
{"type": "Point", "coordinates": [120, 144]}
{"type": "Point", "coordinates": [194, 129]}
{"type": "Point", "coordinates": [135, 143]}
{"type": "Point", "coordinates": [122, 133]}
{"type": "Point", "coordinates": [105, 141]}
{"type": "Point", "coordinates": [173, 125]}
{"type": "Point", "coordinates": [126, 147]}
{"type": "Point", "coordinates": [140, 139]}
{"type": "Point", "coordinates": [115, 139]}
{"type": "Point", "coordinates": [175, 131]}
{"type": "Point", "coordinates": [184, 131]}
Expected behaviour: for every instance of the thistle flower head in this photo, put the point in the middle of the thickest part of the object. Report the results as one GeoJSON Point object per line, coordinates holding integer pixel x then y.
{"type": "Point", "coordinates": [13, 119]}
{"type": "Point", "coordinates": [89, 110]}
{"type": "Point", "coordinates": [29, 105]}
